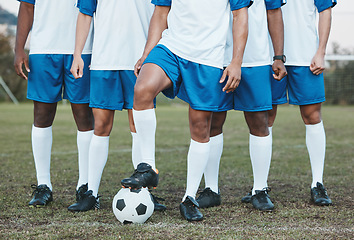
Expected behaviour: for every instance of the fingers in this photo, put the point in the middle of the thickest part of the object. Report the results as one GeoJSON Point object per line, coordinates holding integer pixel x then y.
{"type": "Point", "coordinates": [75, 71]}
{"type": "Point", "coordinates": [223, 77]}
{"type": "Point", "coordinates": [19, 71]}
{"type": "Point", "coordinates": [137, 68]}
{"type": "Point", "coordinates": [231, 84]}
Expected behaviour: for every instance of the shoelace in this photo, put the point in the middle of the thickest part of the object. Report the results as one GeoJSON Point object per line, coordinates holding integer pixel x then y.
{"type": "Point", "coordinates": [322, 191]}
{"type": "Point", "coordinates": [37, 189]}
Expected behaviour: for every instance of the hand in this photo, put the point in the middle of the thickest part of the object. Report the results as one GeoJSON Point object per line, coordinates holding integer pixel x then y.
{"type": "Point", "coordinates": [21, 59]}
{"type": "Point", "coordinates": [279, 70]}
{"type": "Point", "coordinates": [138, 65]}
{"type": "Point", "coordinates": [233, 71]}
{"type": "Point", "coordinates": [77, 68]}
{"type": "Point", "coordinates": [317, 64]}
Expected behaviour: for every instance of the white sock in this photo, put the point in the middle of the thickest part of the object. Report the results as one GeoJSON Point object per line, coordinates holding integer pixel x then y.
{"type": "Point", "coordinates": [270, 129]}
{"type": "Point", "coordinates": [197, 160]}
{"type": "Point", "coordinates": [98, 155]}
{"type": "Point", "coordinates": [136, 156]}
{"type": "Point", "coordinates": [83, 147]}
{"type": "Point", "coordinates": [145, 125]}
{"type": "Point", "coordinates": [42, 140]}
{"type": "Point", "coordinates": [261, 154]}
{"type": "Point", "coordinates": [211, 172]}
{"type": "Point", "coordinates": [316, 146]}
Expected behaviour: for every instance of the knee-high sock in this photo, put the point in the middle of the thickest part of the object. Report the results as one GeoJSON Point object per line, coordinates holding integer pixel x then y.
{"type": "Point", "coordinates": [136, 156]}
{"type": "Point", "coordinates": [98, 155]}
{"type": "Point", "coordinates": [83, 147]}
{"type": "Point", "coordinates": [42, 140]}
{"type": "Point", "coordinates": [316, 146]}
{"type": "Point", "coordinates": [211, 172]}
{"type": "Point", "coordinates": [260, 153]}
{"type": "Point", "coordinates": [197, 160]}
{"type": "Point", "coordinates": [145, 125]}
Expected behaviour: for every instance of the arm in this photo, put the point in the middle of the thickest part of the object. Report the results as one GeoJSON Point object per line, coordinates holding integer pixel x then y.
{"type": "Point", "coordinates": [240, 34]}
{"type": "Point", "coordinates": [158, 24]}
{"type": "Point", "coordinates": [82, 31]}
{"type": "Point", "coordinates": [324, 27]}
{"type": "Point", "coordinates": [24, 25]}
{"type": "Point", "coordinates": [276, 32]}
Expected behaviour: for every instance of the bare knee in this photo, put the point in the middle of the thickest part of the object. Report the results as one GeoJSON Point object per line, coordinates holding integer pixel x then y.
{"type": "Point", "coordinates": [44, 114]}
{"type": "Point", "coordinates": [217, 123]}
{"type": "Point", "coordinates": [311, 114]}
{"type": "Point", "coordinates": [83, 116]}
{"type": "Point", "coordinates": [144, 95]}
{"type": "Point", "coordinates": [257, 123]}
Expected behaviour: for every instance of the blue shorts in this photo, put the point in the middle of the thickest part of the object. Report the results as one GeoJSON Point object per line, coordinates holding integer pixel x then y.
{"type": "Point", "coordinates": [50, 79]}
{"type": "Point", "coordinates": [112, 89]}
{"type": "Point", "coordinates": [254, 92]}
{"type": "Point", "coordinates": [196, 84]}
{"type": "Point", "coordinates": [302, 85]}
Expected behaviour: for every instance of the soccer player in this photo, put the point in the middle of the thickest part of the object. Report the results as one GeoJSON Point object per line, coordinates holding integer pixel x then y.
{"type": "Point", "coordinates": [305, 49]}
{"type": "Point", "coordinates": [253, 97]}
{"type": "Point", "coordinates": [120, 35]}
{"type": "Point", "coordinates": [50, 80]}
{"type": "Point", "coordinates": [188, 57]}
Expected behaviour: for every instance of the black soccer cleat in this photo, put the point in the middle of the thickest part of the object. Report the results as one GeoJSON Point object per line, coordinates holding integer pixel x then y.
{"type": "Point", "coordinates": [208, 198]}
{"type": "Point", "coordinates": [158, 206]}
{"type": "Point", "coordinates": [42, 195]}
{"type": "Point", "coordinates": [261, 200]}
{"type": "Point", "coordinates": [319, 195]}
{"type": "Point", "coordinates": [86, 202]}
{"type": "Point", "coordinates": [80, 192]}
{"type": "Point", "coordinates": [189, 210]}
{"type": "Point", "coordinates": [247, 198]}
{"type": "Point", "coordinates": [143, 176]}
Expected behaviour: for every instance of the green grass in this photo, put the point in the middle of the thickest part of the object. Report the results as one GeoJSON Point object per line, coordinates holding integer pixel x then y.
{"type": "Point", "coordinates": [290, 178]}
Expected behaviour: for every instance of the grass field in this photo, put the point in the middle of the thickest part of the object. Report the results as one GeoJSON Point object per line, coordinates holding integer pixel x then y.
{"type": "Point", "coordinates": [290, 178]}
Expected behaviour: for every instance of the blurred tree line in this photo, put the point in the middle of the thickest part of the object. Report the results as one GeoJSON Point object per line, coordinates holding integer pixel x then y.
{"type": "Point", "coordinates": [339, 77]}
{"type": "Point", "coordinates": [16, 84]}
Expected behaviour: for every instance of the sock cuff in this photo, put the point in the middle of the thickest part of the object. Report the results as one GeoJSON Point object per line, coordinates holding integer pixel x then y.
{"type": "Point", "coordinates": [218, 137]}
{"type": "Point", "coordinates": [84, 134]}
{"type": "Point", "coordinates": [314, 127]}
{"type": "Point", "coordinates": [198, 145]}
{"type": "Point", "coordinates": [260, 140]}
{"type": "Point", "coordinates": [143, 113]}
{"type": "Point", "coordinates": [100, 138]}
{"type": "Point", "coordinates": [41, 129]}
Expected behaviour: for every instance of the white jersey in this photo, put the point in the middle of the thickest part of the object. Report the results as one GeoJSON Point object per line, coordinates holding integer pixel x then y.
{"type": "Point", "coordinates": [54, 27]}
{"type": "Point", "coordinates": [197, 29]}
{"type": "Point", "coordinates": [300, 30]}
{"type": "Point", "coordinates": [257, 47]}
{"type": "Point", "coordinates": [121, 30]}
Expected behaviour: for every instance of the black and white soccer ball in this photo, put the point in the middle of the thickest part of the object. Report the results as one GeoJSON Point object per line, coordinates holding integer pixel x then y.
{"type": "Point", "coordinates": [133, 206]}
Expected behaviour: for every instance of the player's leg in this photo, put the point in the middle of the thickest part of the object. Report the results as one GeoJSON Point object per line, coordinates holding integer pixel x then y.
{"type": "Point", "coordinates": [44, 68]}
{"type": "Point", "coordinates": [42, 139]}
{"type": "Point", "coordinates": [129, 81]}
{"type": "Point", "coordinates": [210, 196]}
{"type": "Point", "coordinates": [260, 147]}
{"type": "Point", "coordinates": [153, 78]}
{"type": "Point", "coordinates": [254, 97]}
{"type": "Point", "coordinates": [197, 159]}
{"type": "Point", "coordinates": [77, 91]}
{"type": "Point", "coordinates": [84, 121]}
{"type": "Point", "coordinates": [316, 146]}
{"type": "Point", "coordinates": [307, 91]}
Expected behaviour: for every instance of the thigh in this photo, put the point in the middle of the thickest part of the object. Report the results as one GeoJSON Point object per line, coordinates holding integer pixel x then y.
{"type": "Point", "coordinates": [106, 90]}
{"type": "Point", "coordinates": [45, 80]}
{"type": "Point", "coordinates": [305, 87]}
{"type": "Point", "coordinates": [77, 90]}
{"type": "Point", "coordinates": [254, 92]}
{"type": "Point", "coordinates": [160, 72]}
{"type": "Point", "coordinates": [200, 86]}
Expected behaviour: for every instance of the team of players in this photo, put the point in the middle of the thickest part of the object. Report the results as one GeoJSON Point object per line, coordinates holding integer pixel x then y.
{"type": "Point", "coordinates": [214, 55]}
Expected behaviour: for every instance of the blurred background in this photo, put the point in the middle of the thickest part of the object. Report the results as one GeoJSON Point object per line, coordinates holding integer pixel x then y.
{"type": "Point", "coordinates": [339, 74]}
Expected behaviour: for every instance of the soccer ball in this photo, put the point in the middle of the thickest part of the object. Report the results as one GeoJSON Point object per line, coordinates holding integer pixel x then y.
{"type": "Point", "coordinates": [133, 205]}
